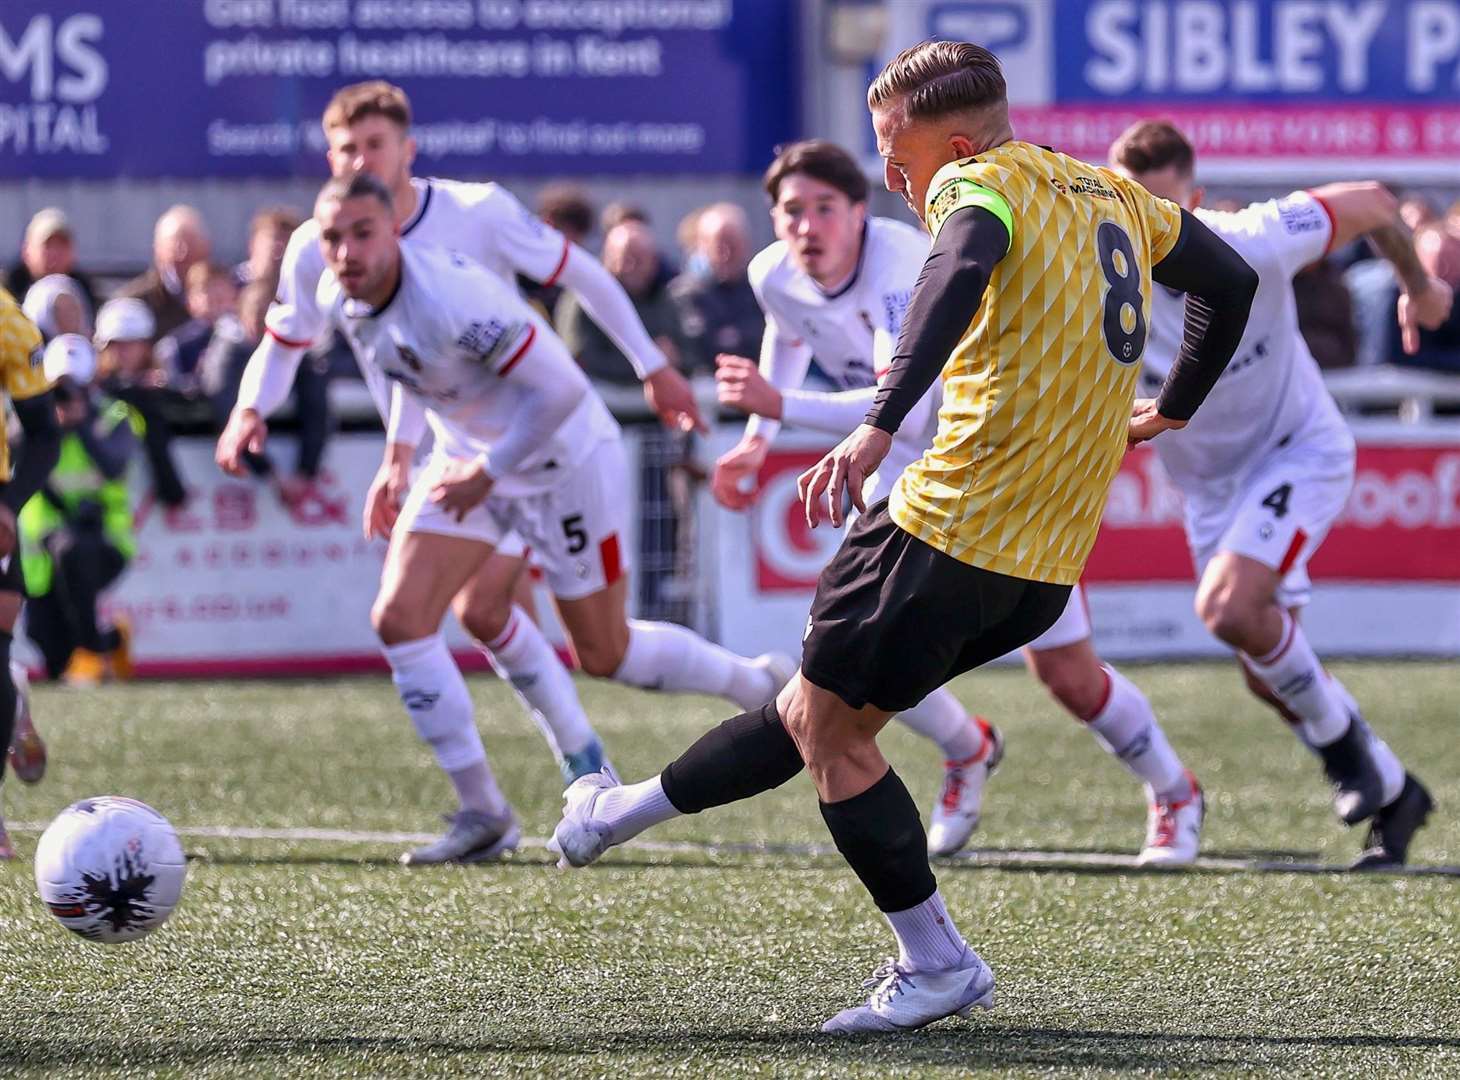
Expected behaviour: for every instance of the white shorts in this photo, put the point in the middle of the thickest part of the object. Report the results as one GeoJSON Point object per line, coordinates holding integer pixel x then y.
{"type": "Point", "coordinates": [1277, 514]}
{"type": "Point", "coordinates": [419, 514]}
{"type": "Point", "coordinates": [1071, 627]}
{"type": "Point", "coordinates": [578, 530]}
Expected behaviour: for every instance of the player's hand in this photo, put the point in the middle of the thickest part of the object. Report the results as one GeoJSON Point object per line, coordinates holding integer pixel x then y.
{"type": "Point", "coordinates": [383, 500]}
{"type": "Point", "coordinates": [1146, 423]}
{"type": "Point", "coordinates": [673, 401]}
{"type": "Point", "coordinates": [246, 431]}
{"type": "Point", "coordinates": [740, 385]}
{"type": "Point", "coordinates": [461, 486]}
{"type": "Point", "coordinates": [1429, 309]}
{"type": "Point", "coordinates": [7, 531]}
{"type": "Point", "coordinates": [845, 469]}
{"type": "Point", "coordinates": [735, 482]}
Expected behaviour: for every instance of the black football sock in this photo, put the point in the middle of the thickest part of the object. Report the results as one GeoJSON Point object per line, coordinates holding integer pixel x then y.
{"type": "Point", "coordinates": [880, 834]}
{"type": "Point", "coordinates": [748, 754]}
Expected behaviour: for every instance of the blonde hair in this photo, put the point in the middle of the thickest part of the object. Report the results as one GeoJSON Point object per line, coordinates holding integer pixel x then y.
{"type": "Point", "coordinates": [936, 78]}
{"type": "Point", "coordinates": [353, 103]}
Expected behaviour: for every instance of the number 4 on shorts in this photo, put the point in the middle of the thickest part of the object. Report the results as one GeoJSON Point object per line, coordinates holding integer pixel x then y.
{"type": "Point", "coordinates": [1277, 500]}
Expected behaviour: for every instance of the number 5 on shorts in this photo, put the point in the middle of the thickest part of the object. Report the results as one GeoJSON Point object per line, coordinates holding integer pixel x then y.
{"type": "Point", "coordinates": [573, 531]}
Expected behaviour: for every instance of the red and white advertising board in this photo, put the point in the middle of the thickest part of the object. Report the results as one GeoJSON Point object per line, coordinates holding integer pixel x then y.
{"type": "Point", "coordinates": [1387, 579]}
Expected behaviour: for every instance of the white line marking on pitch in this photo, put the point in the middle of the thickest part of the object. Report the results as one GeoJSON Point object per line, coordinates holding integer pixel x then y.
{"type": "Point", "coordinates": [995, 857]}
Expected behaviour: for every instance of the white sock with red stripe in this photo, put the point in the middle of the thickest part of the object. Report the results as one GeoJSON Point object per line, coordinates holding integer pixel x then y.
{"type": "Point", "coordinates": [1295, 675]}
{"type": "Point", "coordinates": [1127, 727]}
{"type": "Point", "coordinates": [664, 656]}
{"type": "Point", "coordinates": [941, 718]}
{"type": "Point", "coordinates": [522, 656]}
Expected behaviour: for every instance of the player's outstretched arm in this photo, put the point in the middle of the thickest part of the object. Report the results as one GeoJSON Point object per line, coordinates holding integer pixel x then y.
{"type": "Point", "coordinates": [1219, 287]}
{"type": "Point", "coordinates": [1368, 208]}
{"type": "Point", "coordinates": [945, 299]}
{"type": "Point", "coordinates": [668, 392]}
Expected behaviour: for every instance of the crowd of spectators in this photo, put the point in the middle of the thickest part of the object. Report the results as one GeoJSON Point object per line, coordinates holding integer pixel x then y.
{"type": "Point", "coordinates": [171, 344]}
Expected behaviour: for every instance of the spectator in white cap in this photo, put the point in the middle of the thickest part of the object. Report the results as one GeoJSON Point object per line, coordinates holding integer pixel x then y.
{"type": "Point", "coordinates": [179, 240]}
{"type": "Point", "coordinates": [49, 248]}
{"type": "Point", "coordinates": [57, 306]}
{"type": "Point", "coordinates": [128, 371]}
{"type": "Point", "coordinates": [76, 532]}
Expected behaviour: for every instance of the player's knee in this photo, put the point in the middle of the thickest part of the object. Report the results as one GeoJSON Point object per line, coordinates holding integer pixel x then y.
{"type": "Point", "coordinates": [484, 621]}
{"type": "Point", "coordinates": [1224, 615]}
{"type": "Point", "coordinates": [1079, 687]}
{"type": "Point", "coordinates": [600, 658]}
{"type": "Point", "coordinates": [395, 621]}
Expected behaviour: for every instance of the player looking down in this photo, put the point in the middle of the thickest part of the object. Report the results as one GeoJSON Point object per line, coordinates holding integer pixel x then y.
{"type": "Point", "coordinates": [836, 285]}
{"type": "Point", "coordinates": [1033, 308]}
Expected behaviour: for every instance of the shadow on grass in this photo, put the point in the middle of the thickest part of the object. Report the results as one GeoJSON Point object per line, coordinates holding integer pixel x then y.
{"type": "Point", "coordinates": [684, 856]}
{"type": "Point", "coordinates": [986, 1048]}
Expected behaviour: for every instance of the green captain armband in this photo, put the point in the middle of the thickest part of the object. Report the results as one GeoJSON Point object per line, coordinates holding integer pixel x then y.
{"type": "Point", "coordinates": [959, 192]}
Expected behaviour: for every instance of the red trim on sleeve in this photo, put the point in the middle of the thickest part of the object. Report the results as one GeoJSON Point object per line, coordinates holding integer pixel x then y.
{"type": "Point", "coordinates": [553, 277]}
{"type": "Point", "coordinates": [521, 351]}
{"type": "Point", "coordinates": [613, 567]}
{"type": "Point", "coordinates": [1332, 221]}
{"type": "Point", "coordinates": [1299, 539]}
{"type": "Point", "coordinates": [282, 340]}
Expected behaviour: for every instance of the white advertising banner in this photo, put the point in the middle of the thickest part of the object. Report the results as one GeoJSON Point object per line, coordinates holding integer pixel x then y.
{"type": "Point", "coordinates": [1387, 580]}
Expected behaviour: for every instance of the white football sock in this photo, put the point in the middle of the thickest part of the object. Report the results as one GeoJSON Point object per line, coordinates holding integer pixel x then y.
{"type": "Point", "coordinates": [629, 809]}
{"type": "Point", "coordinates": [664, 656]}
{"type": "Point", "coordinates": [522, 656]}
{"type": "Point", "coordinates": [1391, 769]}
{"type": "Point", "coordinates": [927, 940]}
{"type": "Point", "coordinates": [1293, 672]}
{"type": "Point", "coordinates": [435, 695]}
{"type": "Point", "coordinates": [1126, 726]}
{"type": "Point", "coordinates": [940, 717]}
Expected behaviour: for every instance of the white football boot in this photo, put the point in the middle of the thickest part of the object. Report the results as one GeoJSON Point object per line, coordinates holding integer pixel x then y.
{"type": "Point", "coordinates": [473, 836]}
{"type": "Point", "coordinates": [579, 839]}
{"type": "Point", "coordinates": [1173, 829]}
{"type": "Point", "coordinates": [956, 813]}
{"type": "Point", "coordinates": [902, 1001]}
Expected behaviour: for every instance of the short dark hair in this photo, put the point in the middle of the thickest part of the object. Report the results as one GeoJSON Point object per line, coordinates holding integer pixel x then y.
{"type": "Point", "coordinates": [936, 78]}
{"type": "Point", "coordinates": [1152, 145]}
{"type": "Point", "coordinates": [566, 208]}
{"type": "Point", "coordinates": [360, 185]}
{"type": "Point", "coordinates": [820, 160]}
{"type": "Point", "coordinates": [377, 97]}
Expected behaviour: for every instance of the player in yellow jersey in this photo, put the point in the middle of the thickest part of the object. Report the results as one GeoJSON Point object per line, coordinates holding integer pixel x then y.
{"type": "Point", "coordinates": [1033, 307]}
{"type": "Point", "coordinates": [23, 382]}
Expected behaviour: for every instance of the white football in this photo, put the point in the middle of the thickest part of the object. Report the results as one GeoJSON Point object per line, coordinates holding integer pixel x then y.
{"type": "Point", "coordinates": [110, 868]}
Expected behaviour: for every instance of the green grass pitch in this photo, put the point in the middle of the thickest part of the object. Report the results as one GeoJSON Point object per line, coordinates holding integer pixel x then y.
{"type": "Point", "coordinates": [320, 956]}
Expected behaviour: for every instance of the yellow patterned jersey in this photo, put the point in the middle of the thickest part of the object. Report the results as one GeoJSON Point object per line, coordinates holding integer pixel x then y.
{"type": "Point", "coordinates": [20, 364]}
{"type": "Point", "coordinates": [1037, 394]}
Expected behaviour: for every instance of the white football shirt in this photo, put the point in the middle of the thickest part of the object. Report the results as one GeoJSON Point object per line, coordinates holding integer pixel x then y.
{"type": "Point", "coordinates": [485, 222]}
{"type": "Point", "coordinates": [851, 331]}
{"type": "Point", "coordinates": [448, 336]}
{"type": "Point", "coordinates": [1272, 390]}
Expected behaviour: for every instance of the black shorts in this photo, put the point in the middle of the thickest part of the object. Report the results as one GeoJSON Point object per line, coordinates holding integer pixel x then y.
{"type": "Point", "coordinates": [895, 618]}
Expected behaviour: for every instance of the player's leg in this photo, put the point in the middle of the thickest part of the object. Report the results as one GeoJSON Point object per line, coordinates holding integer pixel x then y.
{"type": "Point", "coordinates": [11, 599]}
{"type": "Point", "coordinates": [972, 749]}
{"type": "Point", "coordinates": [489, 609]}
{"type": "Point", "coordinates": [431, 556]}
{"type": "Point", "coordinates": [1251, 580]}
{"type": "Point", "coordinates": [1120, 717]}
{"type": "Point", "coordinates": [579, 531]}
